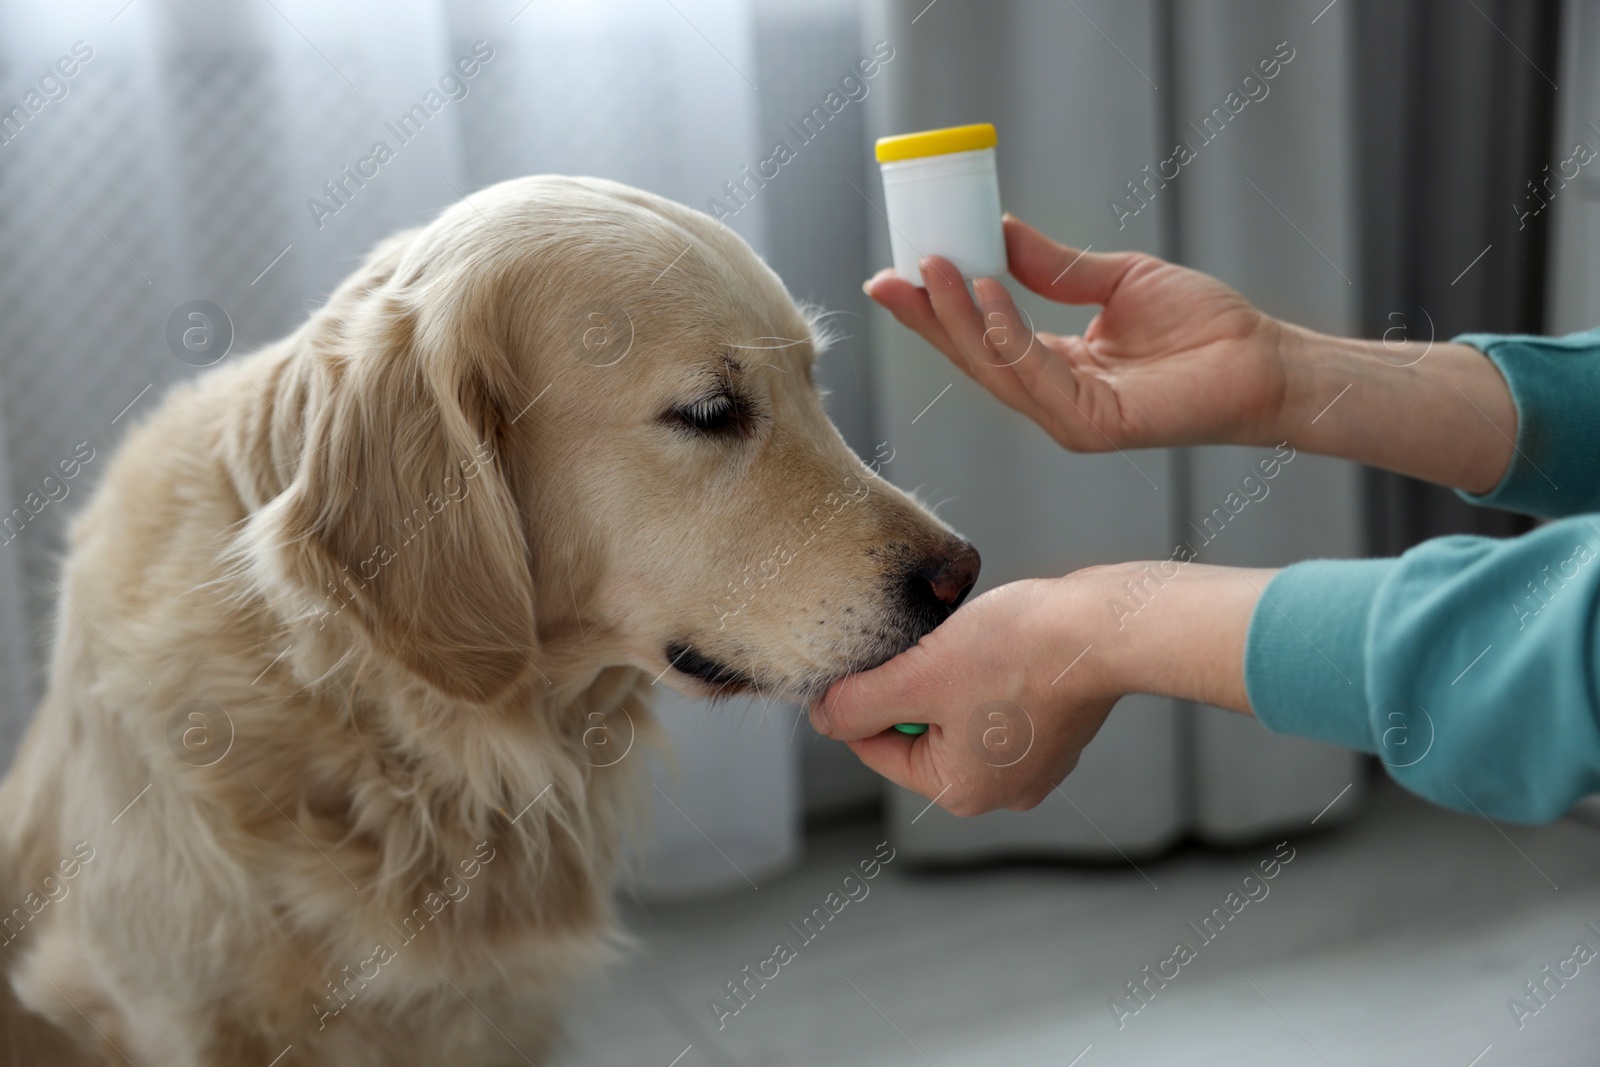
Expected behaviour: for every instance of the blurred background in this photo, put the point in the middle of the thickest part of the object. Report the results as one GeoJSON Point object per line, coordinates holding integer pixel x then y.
{"type": "Point", "coordinates": [1395, 180]}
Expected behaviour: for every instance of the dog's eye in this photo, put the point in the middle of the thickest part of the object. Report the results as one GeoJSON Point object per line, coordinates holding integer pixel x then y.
{"type": "Point", "coordinates": [720, 415]}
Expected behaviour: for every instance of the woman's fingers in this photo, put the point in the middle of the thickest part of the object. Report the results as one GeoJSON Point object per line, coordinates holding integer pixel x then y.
{"type": "Point", "coordinates": [947, 292]}
{"type": "Point", "coordinates": [991, 344]}
{"type": "Point", "coordinates": [1008, 337]}
{"type": "Point", "coordinates": [1059, 272]}
{"type": "Point", "coordinates": [905, 761]}
{"type": "Point", "coordinates": [1026, 362]}
{"type": "Point", "coordinates": [911, 307]}
{"type": "Point", "coordinates": [861, 709]}
{"type": "Point", "coordinates": [989, 340]}
{"type": "Point", "coordinates": [866, 704]}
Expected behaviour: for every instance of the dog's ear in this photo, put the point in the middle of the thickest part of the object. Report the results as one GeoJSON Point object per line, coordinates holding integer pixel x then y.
{"type": "Point", "coordinates": [400, 514]}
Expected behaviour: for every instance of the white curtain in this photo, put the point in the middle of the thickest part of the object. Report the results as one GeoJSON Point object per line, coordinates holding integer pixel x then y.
{"type": "Point", "coordinates": [185, 158]}
{"type": "Point", "coordinates": [16, 683]}
{"type": "Point", "coordinates": [1575, 235]}
{"type": "Point", "coordinates": [1073, 91]}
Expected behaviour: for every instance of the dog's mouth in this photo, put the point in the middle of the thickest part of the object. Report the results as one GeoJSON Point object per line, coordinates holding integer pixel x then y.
{"type": "Point", "coordinates": [916, 593]}
{"type": "Point", "coordinates": [721, 678]}
{"type": "Point", "coordinates": [916, 611]}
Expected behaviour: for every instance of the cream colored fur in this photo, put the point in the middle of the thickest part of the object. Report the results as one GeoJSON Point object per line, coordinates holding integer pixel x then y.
{"type": "Point", "coordinates": [404, 562]}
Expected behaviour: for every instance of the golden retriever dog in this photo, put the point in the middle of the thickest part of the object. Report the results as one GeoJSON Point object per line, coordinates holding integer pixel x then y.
{"type": "Point", "coordinates": [315, 780]}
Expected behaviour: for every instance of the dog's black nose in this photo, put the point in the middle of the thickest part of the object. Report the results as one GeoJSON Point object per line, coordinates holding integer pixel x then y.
{"type": "Point", "coordinates": [951, 574]}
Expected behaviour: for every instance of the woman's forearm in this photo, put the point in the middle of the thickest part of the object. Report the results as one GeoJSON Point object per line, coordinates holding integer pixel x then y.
{"type": "Point", "coordinates": [1436, 411]}
{"type": "Point", "coordinates": [1179, 629]}
{"type": "Point", "coordinates": [1440, 412]}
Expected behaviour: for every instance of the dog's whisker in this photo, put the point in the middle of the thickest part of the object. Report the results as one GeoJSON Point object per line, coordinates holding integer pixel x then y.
{"type": "Point", "coordinates": [824, 334]}
{"type": "Point", "coordinates": [787, 343]}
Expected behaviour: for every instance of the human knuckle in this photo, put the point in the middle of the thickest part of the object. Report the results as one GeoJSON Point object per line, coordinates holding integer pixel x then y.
{"type": "Point", "coordinates": [966, 804]}
{"type": "Point", "coordinates": [963, 808]}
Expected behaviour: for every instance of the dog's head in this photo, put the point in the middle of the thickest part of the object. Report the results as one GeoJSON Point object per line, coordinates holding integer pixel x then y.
{"type": "Point", "coordinates": [571, 425]}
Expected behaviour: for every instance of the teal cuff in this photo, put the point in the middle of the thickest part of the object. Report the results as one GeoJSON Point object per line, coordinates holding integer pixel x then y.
{"type": "Point", "coordinates": [1305, 659]}
{"type": "Point", "coordinates": [1555, 384]}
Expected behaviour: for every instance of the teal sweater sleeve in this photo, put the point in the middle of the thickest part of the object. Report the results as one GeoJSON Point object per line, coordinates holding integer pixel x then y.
{"type": "Point", "coordinates": [1555, 384]}
{"type": "Point", "coordinates": [1470, 666]}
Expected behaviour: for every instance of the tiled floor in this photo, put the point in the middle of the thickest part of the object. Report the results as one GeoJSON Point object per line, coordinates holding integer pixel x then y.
{"type": "Point", "coordinates": [1397, 939]}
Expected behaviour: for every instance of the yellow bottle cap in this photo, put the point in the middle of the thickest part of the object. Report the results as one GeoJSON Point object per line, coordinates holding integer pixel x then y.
{"type": "Point", "coordinates": [936, 142]}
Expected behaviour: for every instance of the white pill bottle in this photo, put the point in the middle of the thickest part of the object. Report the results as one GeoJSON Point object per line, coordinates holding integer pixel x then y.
{"type": "Point", "coordinates": [942, 196]}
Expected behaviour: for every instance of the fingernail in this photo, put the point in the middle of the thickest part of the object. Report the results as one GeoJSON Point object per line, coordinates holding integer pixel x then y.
{"type": "Point", "coordinates": [866, 286]}
{"type": "Point", "coordinates": [819, 718]}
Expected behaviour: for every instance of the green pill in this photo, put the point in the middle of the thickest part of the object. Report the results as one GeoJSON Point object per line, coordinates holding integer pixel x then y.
{"type": "Point", "coordinates": [913, 728]}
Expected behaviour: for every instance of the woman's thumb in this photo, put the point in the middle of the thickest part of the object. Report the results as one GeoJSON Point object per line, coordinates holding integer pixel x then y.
{"type": "Point", "coordinates": [869, 703]}
{"type": "Point", "coordinates": [1061, 273]}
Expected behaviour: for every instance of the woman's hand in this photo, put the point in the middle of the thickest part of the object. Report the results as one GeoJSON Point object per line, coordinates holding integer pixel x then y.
{"type": "Point", "coordinates": [1017, 682]}
{"type": "Point", "coordinates": [1174, 357]}
{"type": "Point", "coordinates": [1000, 735]}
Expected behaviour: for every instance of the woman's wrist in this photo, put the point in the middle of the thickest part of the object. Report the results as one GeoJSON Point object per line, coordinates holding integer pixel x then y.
{"type": "Point", "coordinates": [1171, 628]}
{"type": "Point", "coordinates": [1433, 410]}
